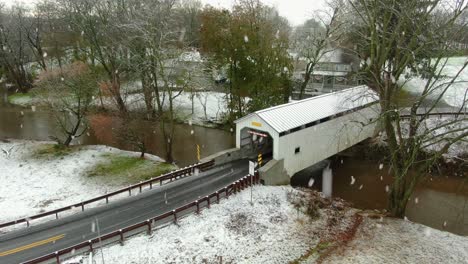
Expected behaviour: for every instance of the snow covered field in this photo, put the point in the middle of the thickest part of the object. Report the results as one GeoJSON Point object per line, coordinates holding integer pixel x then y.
{"type": "Point", "coordinates": [207, 106]}
{"type": "Point", "coordinates": [270, 231]}
{"type": "Point", "coordinates": [273, 231]}
{"type": "Point", "coordinates": [455, 95]}
{"type": "Point", "coordinates": [397, 241]}
{"type": "Point", "coordinates": [31, 185]}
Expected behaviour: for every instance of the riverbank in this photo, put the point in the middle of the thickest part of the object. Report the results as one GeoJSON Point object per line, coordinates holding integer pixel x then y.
{"type": "Point", "coordinates": [38, 176]}
{"type": "Point", "coordinates": [203, 108]}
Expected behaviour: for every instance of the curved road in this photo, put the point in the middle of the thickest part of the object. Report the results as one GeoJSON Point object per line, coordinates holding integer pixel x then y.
{"type": "Point", "coordinates": [29, 243]}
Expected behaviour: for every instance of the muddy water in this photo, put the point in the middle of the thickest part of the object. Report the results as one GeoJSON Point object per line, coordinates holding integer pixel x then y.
{"type": "Point", "coordinates": [440, 202]}
{"type": "Point", "coordinates": [23, 123]}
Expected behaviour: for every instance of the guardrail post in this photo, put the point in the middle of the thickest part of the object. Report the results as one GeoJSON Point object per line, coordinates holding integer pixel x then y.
{"type": "Point", "coordinates": [151, 185]}
{"type": "Point", "coordinates": [27, 223]}
{"type": "Point", "coordinates": [227, 192]}
{"type": "Point", "coordinates": [56, 215]}
{"type": "Point", "coordinates": [208, 200]}
{"type": "Point", "coordinates": [90, 246]}
{"type": "Point", "coordinates": [107, 199]}
{"type": "Point", "coordinates": [175, 216]}
{"type": "Point", "coordinates": [130, 192]}
{"type": "Point", "coordinates": [57, 257]}
{"type": "Point", "coordinates": [217, 197]}
{"type": "Point", "coordinates": [140, 188]}
{"type": "Point", "coordinates": [198, 206]}
{"type": "Point", "coordinates": [121, 237]}
{"type": "Point", "coordinates": [150, 229]}
{"type": "Point", "coordinates": [82, 206]}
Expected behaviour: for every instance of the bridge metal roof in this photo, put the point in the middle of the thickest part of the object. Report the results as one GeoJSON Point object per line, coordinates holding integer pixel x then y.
{"type": "Point", "coordinates": [295, 114]}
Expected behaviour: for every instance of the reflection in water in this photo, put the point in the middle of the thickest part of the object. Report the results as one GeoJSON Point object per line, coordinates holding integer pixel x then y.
{"type": "Point", "coordinates": [22, 123]}
{"type": "Point", "coordinates": [439, 202]}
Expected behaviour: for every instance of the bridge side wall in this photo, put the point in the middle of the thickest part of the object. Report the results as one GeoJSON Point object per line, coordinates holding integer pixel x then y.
{"type": "Point", "coordinates": [324, 140]}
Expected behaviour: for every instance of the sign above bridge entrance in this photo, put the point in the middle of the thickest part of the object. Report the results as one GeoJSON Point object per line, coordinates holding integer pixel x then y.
{"type": "Point", "coordinates": [257, 124]}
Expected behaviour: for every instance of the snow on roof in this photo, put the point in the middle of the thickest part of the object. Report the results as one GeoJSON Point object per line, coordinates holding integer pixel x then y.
{"type": "Point", "coordinates": [330, 73]}
{"type": "Point", "coordinates": [332, 55]}
{"type": "Point", "coordinates": [288, 116]}
{"type": "Point", "coordinates": [190, 56]}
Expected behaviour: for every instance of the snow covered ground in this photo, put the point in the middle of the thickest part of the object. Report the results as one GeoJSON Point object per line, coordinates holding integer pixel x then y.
{"type": "Point", "coordinates": [273, 231]}
{"type": "Point", "coordinates": [270, 231]}
{"type": "Point", "coordinates": [437, 132]}
{"type": "Point", "coordinates": [207, 106]}
{"type": "Point", "coordinates": [455, 95]}
{"type": "Point", "coordinates": [396, 241]}
{"type": "Point", "coordinates": [31, 185]}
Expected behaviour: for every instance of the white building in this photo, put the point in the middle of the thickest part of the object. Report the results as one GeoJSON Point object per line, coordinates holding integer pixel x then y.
{"type": "Point", "coordinates": [303, 133]}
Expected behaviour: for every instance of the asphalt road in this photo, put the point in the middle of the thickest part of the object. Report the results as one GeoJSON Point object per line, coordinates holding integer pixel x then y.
{"type": "Point", "coordinates": [42, 239]}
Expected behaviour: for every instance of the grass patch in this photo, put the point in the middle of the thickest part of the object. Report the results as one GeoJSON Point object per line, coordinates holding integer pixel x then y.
{"type": "Point", "coordinates": [315, 250]}
{"type": "Point", "coordinates": [51, 151]}
{"type": "Point", "coordinates": [20, 98]}
{"type": "Point", "coordinates": [129, 169]}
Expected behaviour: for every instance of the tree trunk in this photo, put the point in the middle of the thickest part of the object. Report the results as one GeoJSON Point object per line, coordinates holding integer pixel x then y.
{"type": "Point", "coordinates": [72, 133]}
{"type": "Point", "coordinates": [169, 156]}
{"type": "Point", "coordinates": [304, 84]}
{"type": "Point", "coordinates": [398, 200]}
{"type": "Point", "coordinates": [148, 95]}
{"type": "Point", "coordinates": [117, 95]}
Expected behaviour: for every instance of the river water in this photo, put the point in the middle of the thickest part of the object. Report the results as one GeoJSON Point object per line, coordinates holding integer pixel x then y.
{"type": "Point", "coordinates": [23, 123]}
{"type": "Point", "coordinates": [440, 202]}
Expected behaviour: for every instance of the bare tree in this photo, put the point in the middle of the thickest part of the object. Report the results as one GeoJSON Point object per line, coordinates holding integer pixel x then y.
{"type": "Point", "coordinates": [69, 93]}
{"type": "Point", "coordinates": [400, 41]}
{"type": "Point", "coordinates": [33, 26]}
{"type": "Point", "coordinates": [316, 38]}
{"type": "Point", "coordinates": [131, 132]}
{"type": "Point", "coordinates": [15, 55]}
{"type": "Point", "coordinates": [98, 22]}
{"type": "Point", "coordinates": [154, 26]}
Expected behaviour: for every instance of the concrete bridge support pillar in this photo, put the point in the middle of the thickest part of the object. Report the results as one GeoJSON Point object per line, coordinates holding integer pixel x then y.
{"type": "Point", "coordinates": [273, 173]}
{"type": "Point", "coordinates": [327, 182]}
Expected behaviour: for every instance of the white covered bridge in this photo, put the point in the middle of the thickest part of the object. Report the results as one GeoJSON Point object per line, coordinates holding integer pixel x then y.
{"type": "Point", "coordinates": [300, 134]}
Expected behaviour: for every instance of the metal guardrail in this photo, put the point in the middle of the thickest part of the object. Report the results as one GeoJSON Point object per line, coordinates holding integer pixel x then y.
{"type": "Point", "coordinates": [148, 224]}
{"type": "Point", "coordinates": [168, 176]}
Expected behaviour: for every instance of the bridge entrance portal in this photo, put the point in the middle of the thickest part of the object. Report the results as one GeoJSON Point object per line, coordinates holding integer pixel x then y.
{"type": "Point", "coordinates": [257, 141]}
